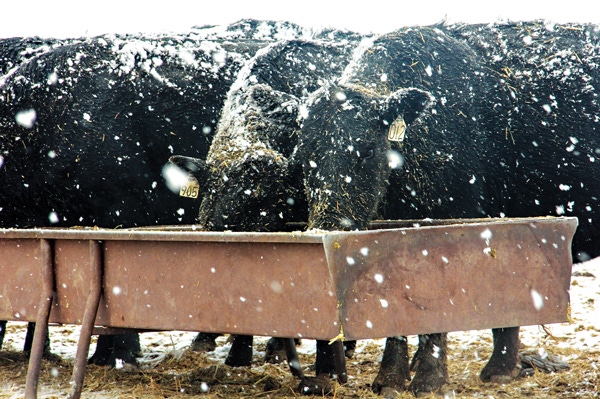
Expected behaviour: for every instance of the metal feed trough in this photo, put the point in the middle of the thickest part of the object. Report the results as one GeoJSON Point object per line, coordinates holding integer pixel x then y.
{"type": "Point", "coordinates": [399, 278]}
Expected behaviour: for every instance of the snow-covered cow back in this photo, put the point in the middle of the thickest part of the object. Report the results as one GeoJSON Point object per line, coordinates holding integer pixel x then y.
{"type": "Point", "coordinates": [87, 124]}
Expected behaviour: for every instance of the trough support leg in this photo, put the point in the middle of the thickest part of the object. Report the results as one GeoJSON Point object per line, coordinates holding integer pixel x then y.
{"type": "Point", "coordinates": [39, 337]}
{"type": "Point", "coordinates": [89, 317]}
{"type": "Point", "coordinates": [292, 357]}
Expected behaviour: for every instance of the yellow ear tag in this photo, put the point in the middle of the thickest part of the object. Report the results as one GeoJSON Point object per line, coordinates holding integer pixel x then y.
{"type": "Point", "coordinates": [397, 130]}
{"type": "Point", "coordinates": [190, 189]}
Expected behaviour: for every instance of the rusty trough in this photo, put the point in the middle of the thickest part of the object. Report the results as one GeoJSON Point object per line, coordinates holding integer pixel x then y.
{"type": "Point", "coordinates": [400, 278]}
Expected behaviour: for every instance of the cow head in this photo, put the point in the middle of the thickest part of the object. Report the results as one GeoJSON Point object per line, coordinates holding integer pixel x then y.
{"type": "Point", "coordinates": [346, 151]}
{"type": "Point", "coordinates": [245, 181]}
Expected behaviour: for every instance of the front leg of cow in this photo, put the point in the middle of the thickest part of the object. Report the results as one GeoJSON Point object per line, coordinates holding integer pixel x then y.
{"type": "Point", "coordinates": [429, 364]}
{"type": "Point", "coordinates": [2, 332]}
{"type": "Point", "coordinates": [330, 362]}
{"type": "Point", "coordinates": [205, 342]}
{"type": "Point", "coordinates": [115, 348]}
{"type": "Point", "coordinates": [393, 371]}
{"type": "Point", "coordinates": [29, 341]}
{"type": "Point", "coordinates": [240, 354]}
{"type": "Point", "coordinates": [503, 366]}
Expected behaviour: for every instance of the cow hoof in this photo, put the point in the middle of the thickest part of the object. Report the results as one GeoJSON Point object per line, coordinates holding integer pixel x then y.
{"type": "Point", "coordinates": [349, 348]}
{"type": "Point", "coordinates": [421, 388]}
{"type": "Point", "coordinates": [128, 367]}
{"type": "Point", "coordinates": [275, 351]}
{"type": "Point", "coordinates": [204, 343]}
{"type": "Point", "coordinates": [115, 362]}
{"type": "Point", "coordinates": [442, 391]}
{"type": "Point", "coordinates": [271, 384]}
{"type": "Point", "coordinates": [275, 357]}
{"type": "Point", "coordinates": [498, 376]}
{"type": "Point", "coordinates": [501, 379]}
{"type": "Point", "coordinates": [319, 385]}
{"type": "Point", "coordinates": [203, 346]}
{"type": "Point", "coordinates": [389, 392]}
{"type": "Point", "coordinates": [386, 386]}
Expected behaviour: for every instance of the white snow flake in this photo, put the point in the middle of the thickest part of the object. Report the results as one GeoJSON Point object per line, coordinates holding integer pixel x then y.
{"type": "Point", "coordinates": [538, 300]}
{"type": "Point", "coordinates": [429, 70]}
{"type": "Point", "coordinates": [26, 118]}
{"type": "Point", "coordinates": [53, 217]}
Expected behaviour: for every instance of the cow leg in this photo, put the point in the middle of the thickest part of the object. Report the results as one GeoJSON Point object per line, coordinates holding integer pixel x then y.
{"type": "Point", "coordinates": [240, 354]}
{"type": "Point", "coordinates": [331, 361]}
{"type": "Point", "coordinates": [204, 342]}
{"type": "Point", "coordinates": [274, 350]}
{"type": "Point", "coordinates": [429, 363]}
{"type": "Point", "coordinates": [393, 371]}
{"type": "Point", "coordinates": [279, 349]}
{"type": "Point", "coordinates": [127, 347]}
{"type": "Point", "coordinates": [109, 348]}
{"type": "Point", "coordinates": [349, 348]}
{"type": "Point", "coordinates": [292, 357]}
{"type": "Point", "coordinates": [2, 332]}
{"type": "Point", "coordinates": [104, 348]}
{"type": "Point", "coordinates": [504, 365]}
{"type": "Point", "coordinates": [29, 341]}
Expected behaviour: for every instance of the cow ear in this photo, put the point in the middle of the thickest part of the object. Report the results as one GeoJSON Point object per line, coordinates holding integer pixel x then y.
{"type": "Point", "coordinates": [402, 108]}
{"type": "Point", "coordinates": [182, 171]}
{"type": "Point", "coordinates": [188, 164]}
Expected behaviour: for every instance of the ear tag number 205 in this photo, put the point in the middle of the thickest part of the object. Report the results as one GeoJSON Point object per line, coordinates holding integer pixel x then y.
{"type": "Point", "coordinates": [190, 189]}
{"type": "Point", "coordinates": [397, 130]}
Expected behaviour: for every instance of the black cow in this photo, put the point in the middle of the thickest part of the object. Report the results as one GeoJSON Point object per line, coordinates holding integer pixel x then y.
{"type": "Point", "coordinates": [13, 53]}
{"type": "Point", "coordinates": [249, 184]}
{"type": "Point", "coordinates": [87, 124]}
{"type": "Point", "coordinates": [458, 122]}
{"type": "Point", "coordinates": [432, 122]}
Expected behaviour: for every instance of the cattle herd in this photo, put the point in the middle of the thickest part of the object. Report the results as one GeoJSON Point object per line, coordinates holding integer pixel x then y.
{"type": "Point", "coordinates": [278, 124]}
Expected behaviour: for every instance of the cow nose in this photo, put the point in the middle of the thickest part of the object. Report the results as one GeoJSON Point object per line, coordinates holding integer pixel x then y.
{"type": "Point", "coordinates": [347, 223]}
{"type": "Point", "coordinates": [329, 222]}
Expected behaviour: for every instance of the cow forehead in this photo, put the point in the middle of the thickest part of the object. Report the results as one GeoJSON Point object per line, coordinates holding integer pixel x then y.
{"type": "Point", "coordinates": [339, 113]}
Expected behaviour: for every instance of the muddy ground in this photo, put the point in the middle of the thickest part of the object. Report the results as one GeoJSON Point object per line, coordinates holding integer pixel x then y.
{"type": "Point", "coordinates": [169, 369]}
{"type": "Point", "coordinates": [188, 375]}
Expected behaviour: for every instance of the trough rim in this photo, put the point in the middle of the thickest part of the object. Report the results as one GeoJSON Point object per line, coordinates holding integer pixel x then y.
{"type": "Point", "coordinates": [195, 233]}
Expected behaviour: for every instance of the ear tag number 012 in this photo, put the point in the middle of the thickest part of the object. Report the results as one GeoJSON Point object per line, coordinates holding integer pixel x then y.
{"type": "Point", "coordinates": [397, 130]}
{"type": "Point", "coordinates": [190, 189]}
